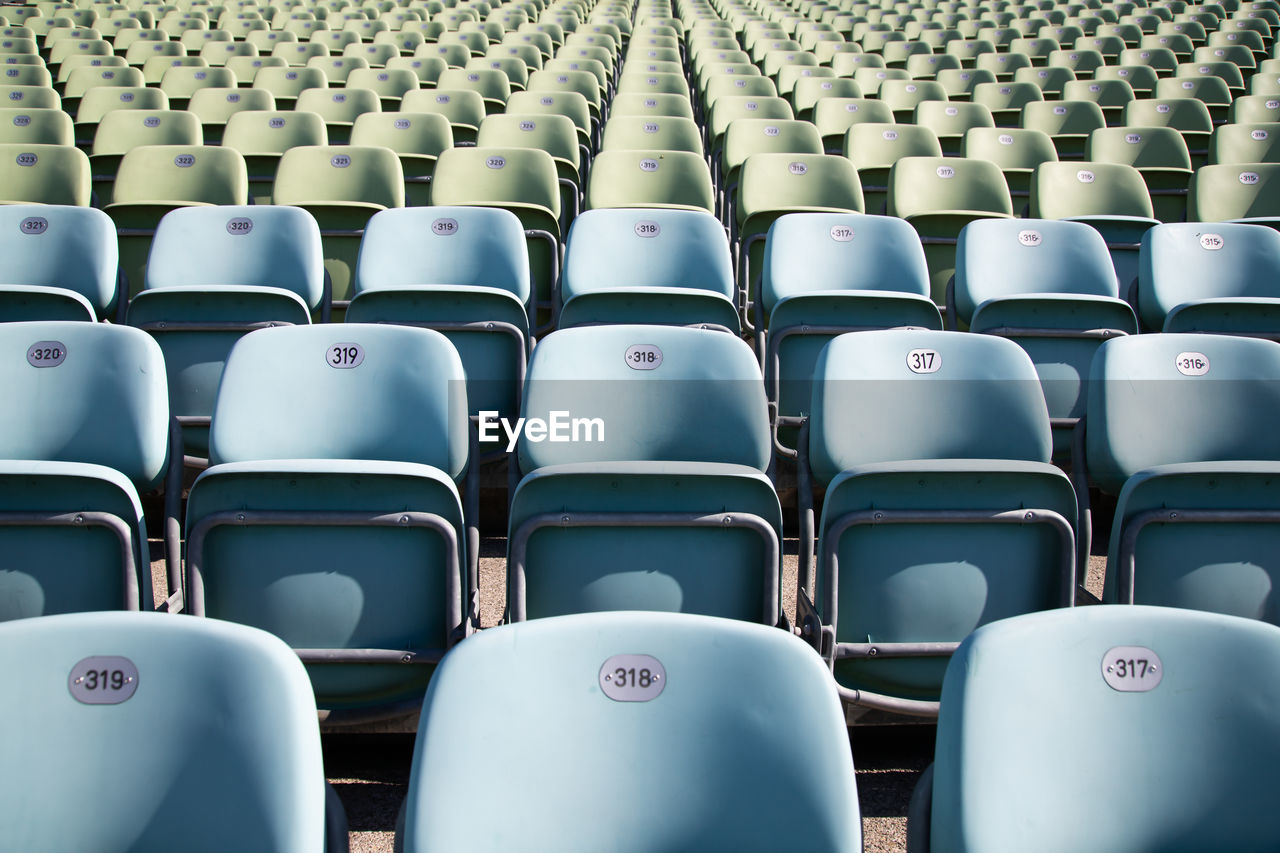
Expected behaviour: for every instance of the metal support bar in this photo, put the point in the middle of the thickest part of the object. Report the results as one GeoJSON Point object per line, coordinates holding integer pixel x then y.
{"type": "Point", "coordinates": [804, 505]}
{"type": "Point", "coordinates": [516, 572]}
{"type": "Point", "coordinates": [172, 510]}
{"type": "Point", "coordinates": [370, 656]}
{"type": "Point", "coordinates": [113, 523]}
{"type": "Point", "coordinates": [553, 285]}
{"type": "Point", "coordinates": [283, 518]}
{"type": "Point", "coordinates": [881, 702]}
{"type": "Point", "coordinates": [1127, 556]}
{"type": "Point", "coordinates": [1080, 483]}
{"type": "Point", "coordinates": [1064, 334]}
{"type": "Point", "coordinates": [229, 326]}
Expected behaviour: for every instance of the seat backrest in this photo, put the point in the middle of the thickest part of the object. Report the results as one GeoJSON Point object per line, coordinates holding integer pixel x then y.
{"type": "Point", "coordinates": [340, 104]}
{"type": "Point", "coordinates": [1089, 188]}
{"type": "Point", "coordinates": [60, 246]}
{"type": "Point", "coordinates": [85, 392]}
{"type": "Point", "coordinates": [42, 127]}
{"type": "Point", "coordinates": [182, 173]}
{"type": "Point", "coordinates": [467, 246]}
{"type": "Point", "coordinates": [1063, 117]}
{"type": "Point", "coordinates": [612, 248]}
{"type": "Point", "coordinates": [1171, 398]}
{"type": "Point", "coordinates": [874, 392]}
{"type": "Point", "coordinates": [998, 258]}
{"type": "Point", "coordinates": [873, 145]}
{"type": "Point", "coordinates": [1154, 674]}
{"type": "Point", "coordinates": [662, 393]}
{"type": "Point", "coordinates": [44, 174]}
{"type": "Point", "coordinates": [218, 105]}
{"type": "Point", "coordinates": [718, 694]}
{"type": "Point", "coordinates": [1009, 147]}
{"type": "Point", "coordinates": [1140, 147]}
{"type": "Point", "coordinates": [1246, 143]}
{"type": "Point", "coordinates": [273, 131]}
{"type": "Point", "coordinates": [426, 134]}
{"type": "Point", "coordinates": [1225, 191]}
{"type": "Point", "coordinates": [812, 252]}
{"type": "Point", "coordinates": [227, 710]}
{"type": "Point", "coordinates": [315, 174]}
{"type": "Point", "coordinates": [923, 185]}
{"type": "Point", "coordinates": [625, 178]}
{"type": "Point", "coordinates": [121, 130]}
{"type": "Point", "coordinates": [352, 391]}
{"type": "Point", "coordinates": [253, 246]}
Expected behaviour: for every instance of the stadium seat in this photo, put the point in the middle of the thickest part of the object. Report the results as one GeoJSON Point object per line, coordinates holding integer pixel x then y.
{"type": "Point", "coordinates": [558, 136]}
{"type": "Point", "coordinates": [834, 116]}
{"type": "Point", "coordinates": [659, 179]}
{"type": "Point", "coordinates": [1188, 116]}
{"type": "Point", "coordinates": [463, 271]}
{"type": "Point", "coordinates": [1016, 151]}
{"type": "Point", "coordinates": [85, 432]}
{"type": "Point", "coordinates": [1068, 123]}
{"type": "Point", "coordinates": [949, 121]}
{"type": "Point", "coordinates": [734, 690]}
{"type": "Point", "coordinates": [1161, 157]}
{"type": "Point", "coordinates": [344, 536]}
{"type": "Point", "coordinates": [214, 107]}
{"type": "Point", "coordinates": [286, 84]}
{"type": "Point", "coordinates": [180, 83]}
{"type": "Point", "coordinates": [418, 140]}
{"type": "Point", "coordinates": [661, 442]}
{"type": "Point", "coordinates": [1006, 100]}
{"type": "Point", "coordinates": [463, 108]}
{"type": "Point", "coordinates": [1002, 768]}
{"type": "Point", "coordinates": [1221, 278]}
{"type": "Point", "coordinates": [874, 148]}
{"type": "Point", "coordinates": [1195, 518]}
{"type": "Point", "coordinates": [926, 532]}
{"type": "Point", "coordinates": [824, 274]}
{"type": "Point", "coordinates": [262, 137]}
{"type": "Point", "coordinates": [339, 108]}
{"type": "Point", "coordinates": [1112, 197]}
{"type": "Point", "coordinates": [1234, 192]}
{"type": "Point", "coordinates": [648, 266]}
{"type": "Point", "coordinates": [213, 274]}
{"type": "Point", "coordinates": [122, 130]}
{"type": "Point", "coordinates": [1245, 143]}
{"type": "Point", "coordinates": [40, 127]}
{"type": "Point", "coordinates": [227, 712]}
{"type": "Point", "coordinates": [154, 179]}
{"type": "Point", "coordinates": [44, 174]}
{"type": "Point", "coordinates": [939, 196]}
{"type": "Point", "coordinates": [60, 263]}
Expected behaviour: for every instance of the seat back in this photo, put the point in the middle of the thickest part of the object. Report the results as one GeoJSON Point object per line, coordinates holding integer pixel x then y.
{"type": "Point", "coordinates": [44, 174]}
{"type": "Point", "coordinates": [1083, 189]}
{"type": "Point", "coordinates": [1002, 719]}
{"type": "Point", "coordinates": [624, 178]}
{"type": "Point", "coordinates": [1224, 192]}
{"type": "Point", "coordinates": [228, 711]}
{"type": "Point", "coordinates": [181, 173]}
{"type": "Point", "coordinates": [57, 246]}
{"type": "Point", "coordinates": [705, 664]}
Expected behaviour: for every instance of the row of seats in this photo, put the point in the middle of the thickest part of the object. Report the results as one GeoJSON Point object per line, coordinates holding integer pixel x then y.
{"type": "Point", "coordinates": [236, 757]}
{"type": "Point", "coordinates": [655, 436]}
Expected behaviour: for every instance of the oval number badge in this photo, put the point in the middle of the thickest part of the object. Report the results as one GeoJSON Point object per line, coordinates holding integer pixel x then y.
{"type": "Point", "coordinates": [1132, 669]}
{"type": "Point", "coordinates": [643, 357]}
{"type": "Point", "coordinates": [103, 680]}
{"type": "Point", "coordinates": [632, 678]}
{"type": "Point", "coordinates": [924, 361]}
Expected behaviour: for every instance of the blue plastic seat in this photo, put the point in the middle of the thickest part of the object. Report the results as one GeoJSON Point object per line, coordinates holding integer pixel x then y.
{"type": "Point", "coordinates": [648, 444]}
{"type": "Point", "coordinates": [1188, 762]}
{"type": "Point", "coordinates": [1048, 285]}
{"type": "Point", "coordinates": [632, 265]}
{"type": "Point", "coordinates": [941, 512]}
{"type": "Point", "coordinates": [84, 432]}
{"type": "Point", "coordinates": [161, 731]}
{"type": "Point", "coordinates": [213, 274]}
{"type": "Point", "coordinates": [58, 263]}
{"type": "Point", "coordinates": [331, 514]}
{"type": "Point", "coordinates": [1223, 277]}
{"type": "Point", "coordinates": [1179, 427]}
{"type": "Point", "coordinates": [825, 274]}
{"type": "Point", "coordinates": [463, 271]}
{"type": "Point", "coordinates": [731, 735]}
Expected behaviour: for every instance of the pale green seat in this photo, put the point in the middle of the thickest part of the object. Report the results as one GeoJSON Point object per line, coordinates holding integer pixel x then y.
{"type": "Point", "coordinates": [427, 68]}
{"type": "Point", "coordinates": [1048, 80]}
{"type": "Point", "coordinates": [122, 130]}
{"type": "Point", "coordinates": [749, 136]}
{"type": "Point", "coordinates": [1007, 100]}
{"type": "Point", "coordinates": [235, 757]}
{"type": "Point", "coordinates": [298, 54]}
{"type": "Point", "coordinates": [31, 97]}
{"type": "Point", "coordinates": [809, 91]}
{"type": "Point", "coordinates": [286, 83]}
{"type": "Point", "coordinates": [824, 274]}
{"type": "Point", "coordinates": [1016, 151]}
{"type": "Point", "coordinates": [262, 136]}
{"type": "Point", "coordinates": [778, 183]}
{"type": "Point", "coordinates": [950, 121]}
{"type": "Point", "coordinates": [647, 266]}
{"type": "Point", "coordinates": [390, 84]}
{"type": "Point", "coordinates": [85, 433]}
{"type": "Point", "coordinates": [214, 107]}
{"type": "Point", "coordinates": [40, 126]}
{"type": "Point", "coordinates": [554, 134]}
{"type": "Point", "coordinates": [337, 68]}
{"type": "Point", "coordinates": [729, 108]}
{"type": "Point", "coordinates": [1049, 286]}
{"type": "Point", "coordinates": [574, 106]}
{"type": "Point", "coordinates": [1068, 123]}
{"type": "Point", "coordinates": [1141, 78]}
{"type": "Point", "coordinates": [637, 103]}
{"type": "Point", "coordinates": [81, 80]}
{"type": "Point", "coordinates": [669, 481]}
{"type": "Point", "coordinates": [1228, 192]}
{"type": "Point", "coordinates": [734, 691]}
{"type": "Point", "coordinates": [217, 53]}
{"type": "Point", "coordinates": [903, 96]}
{"type": "Point", "coordinates": [874, 148]}
{"type": "Point", "coordinates": [491, 84]}
{"type": "Point", "coordinates": [339, 108]}
{"type": "Point", "coordinates": [678, 179]}
{"type": "Point", "coordinates": [927, 533]}
{"type": "Point", "coordinates": [1212, 90]}
{"type": "Point", "coordinates": [1220, 278]}
{"type": "Point", "coordinates": [1161, 157]}
{"type": "Point", "coordinates": [464, 108]}
{"type": "Point", "coordinates": [180, 83]}
{"type": "Point", "coordinates": [1195, 515]}
{"type": "Point", "coordinates": [60, 263]}
{"type": "Point", "coordinates": [100, 100]}
{"type": "Point", "coordinates": [959, 83]}
{"type": "Point", "coordinates": [463, 271]}
{"type": "Point", "coordinates": [834, 116]}
{"type": "Point", "coordinates": [522, 180]}
{"type": "Point", "coordinates": [938, 196]}
{"type": "Point", "coordinates": [246, 68]}
{"type": "Point", "coordinates": [341, 186]}
{"type": "Point", "coordinates": [1245, 143]}
{"type": "Point", "coordinates": [1013, 688]}
{"type": "Point", "coordinates": [26, 75]}
{"type": "Point", "coordinates": [1112, 197]}
{"type": "Point", "coordinates": [214, 274]}
{"type": "Point", "coordinates": [1189, 116]}
{"type": "Point", "coordinates": [44, 174]}
{"type": "Point", "coordinates": [418, 140]}
{"type": "Point", "coordinates": [1111, 96]}
{"type": "Point", "coordinates": [155, 179]}
{"type": "Point", "coordinates": [347, 541]}
{"type": "Point", "coordinates": [667, 133]}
